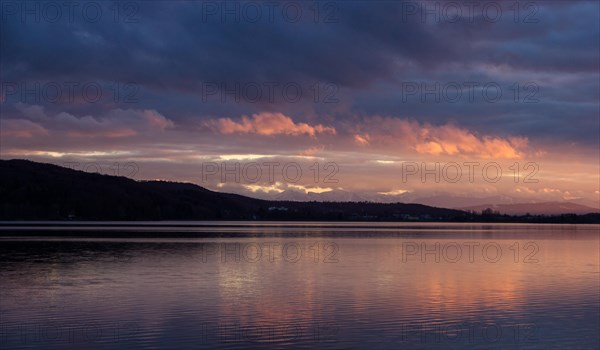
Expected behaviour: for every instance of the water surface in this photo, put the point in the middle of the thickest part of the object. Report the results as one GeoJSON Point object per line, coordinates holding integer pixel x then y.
{"type": "Point", "coordinates": [306, 285]}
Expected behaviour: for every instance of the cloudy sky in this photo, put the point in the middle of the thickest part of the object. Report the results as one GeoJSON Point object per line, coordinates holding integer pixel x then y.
{"type": "Point", "coordinates": [372, 100]}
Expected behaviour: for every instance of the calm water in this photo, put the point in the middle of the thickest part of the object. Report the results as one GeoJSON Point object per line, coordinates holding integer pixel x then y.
{"type": "Point", "coordinates": [281, 286]}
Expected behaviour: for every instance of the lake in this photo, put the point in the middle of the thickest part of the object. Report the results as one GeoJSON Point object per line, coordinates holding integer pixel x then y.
{"type": "Point", "coordinates": [276, 285]}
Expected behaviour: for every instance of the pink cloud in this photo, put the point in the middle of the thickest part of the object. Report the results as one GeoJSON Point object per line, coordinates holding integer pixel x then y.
{"type": "Point", "coordinates": [362, 139]}
{"type": "Point", "coordinates": [446, 139]}
{"type": "Point", "coordinates": [116, 123]}
{"type": "Point", "coordinates": [157, 120]}
{"type": "Point", "coordinates": [21, 128]}
{"type": "Point", "coordinates": [124, 132]}
{"type": "Point", "coordinates": [267, 124]}
{"type": "Point", "coordinates": [312, 151]}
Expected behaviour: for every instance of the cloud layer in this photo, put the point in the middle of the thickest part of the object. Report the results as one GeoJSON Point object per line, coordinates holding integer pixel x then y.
{"type": "Point", "coordinates": [367, 85]}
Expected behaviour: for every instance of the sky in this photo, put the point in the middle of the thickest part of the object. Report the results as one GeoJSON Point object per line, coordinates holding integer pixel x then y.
{"type": "Point", "coordinates": [430, 101]}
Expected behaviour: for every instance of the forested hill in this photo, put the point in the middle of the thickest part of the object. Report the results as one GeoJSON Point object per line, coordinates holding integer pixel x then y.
{"type": "Point", "coordinates": [39, 191]}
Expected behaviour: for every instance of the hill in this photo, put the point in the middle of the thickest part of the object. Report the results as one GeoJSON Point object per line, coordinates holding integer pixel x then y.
{"type": "Point", "coordinates": [39, 191]}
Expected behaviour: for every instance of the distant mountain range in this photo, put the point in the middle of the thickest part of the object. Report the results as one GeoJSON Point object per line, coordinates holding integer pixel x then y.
{"type": "Point", "coordinates": [39, 191]}
{"type": "Point", "coordinates": [546, 208]}
{"type": "Point", "coordinates": [500, 203]}
{"type": "Point", "coordinates": [469, 203]}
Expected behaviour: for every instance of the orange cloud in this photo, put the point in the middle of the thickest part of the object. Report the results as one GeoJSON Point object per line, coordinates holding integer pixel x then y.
{"type": "Point", "coordinates": [267, 124]}
{"type": "Point", "coordinates": [446, 139]}
{"type": "Point", "coordinates": [451, 140]}
{"type": "Point", "coordinates": [311, 151]}
{"type": "Point", "coordinates": [362, 139]}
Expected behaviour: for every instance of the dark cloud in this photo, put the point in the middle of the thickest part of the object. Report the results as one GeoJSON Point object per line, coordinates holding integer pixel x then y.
{"type": "Point", "coordinates": [179, 44]}
{"type": "Point", "coordinates": [174, 51]}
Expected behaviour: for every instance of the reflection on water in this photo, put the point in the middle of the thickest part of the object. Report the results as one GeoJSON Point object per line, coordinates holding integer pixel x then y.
{"type": "Point", "coordinates": [334, 286]}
